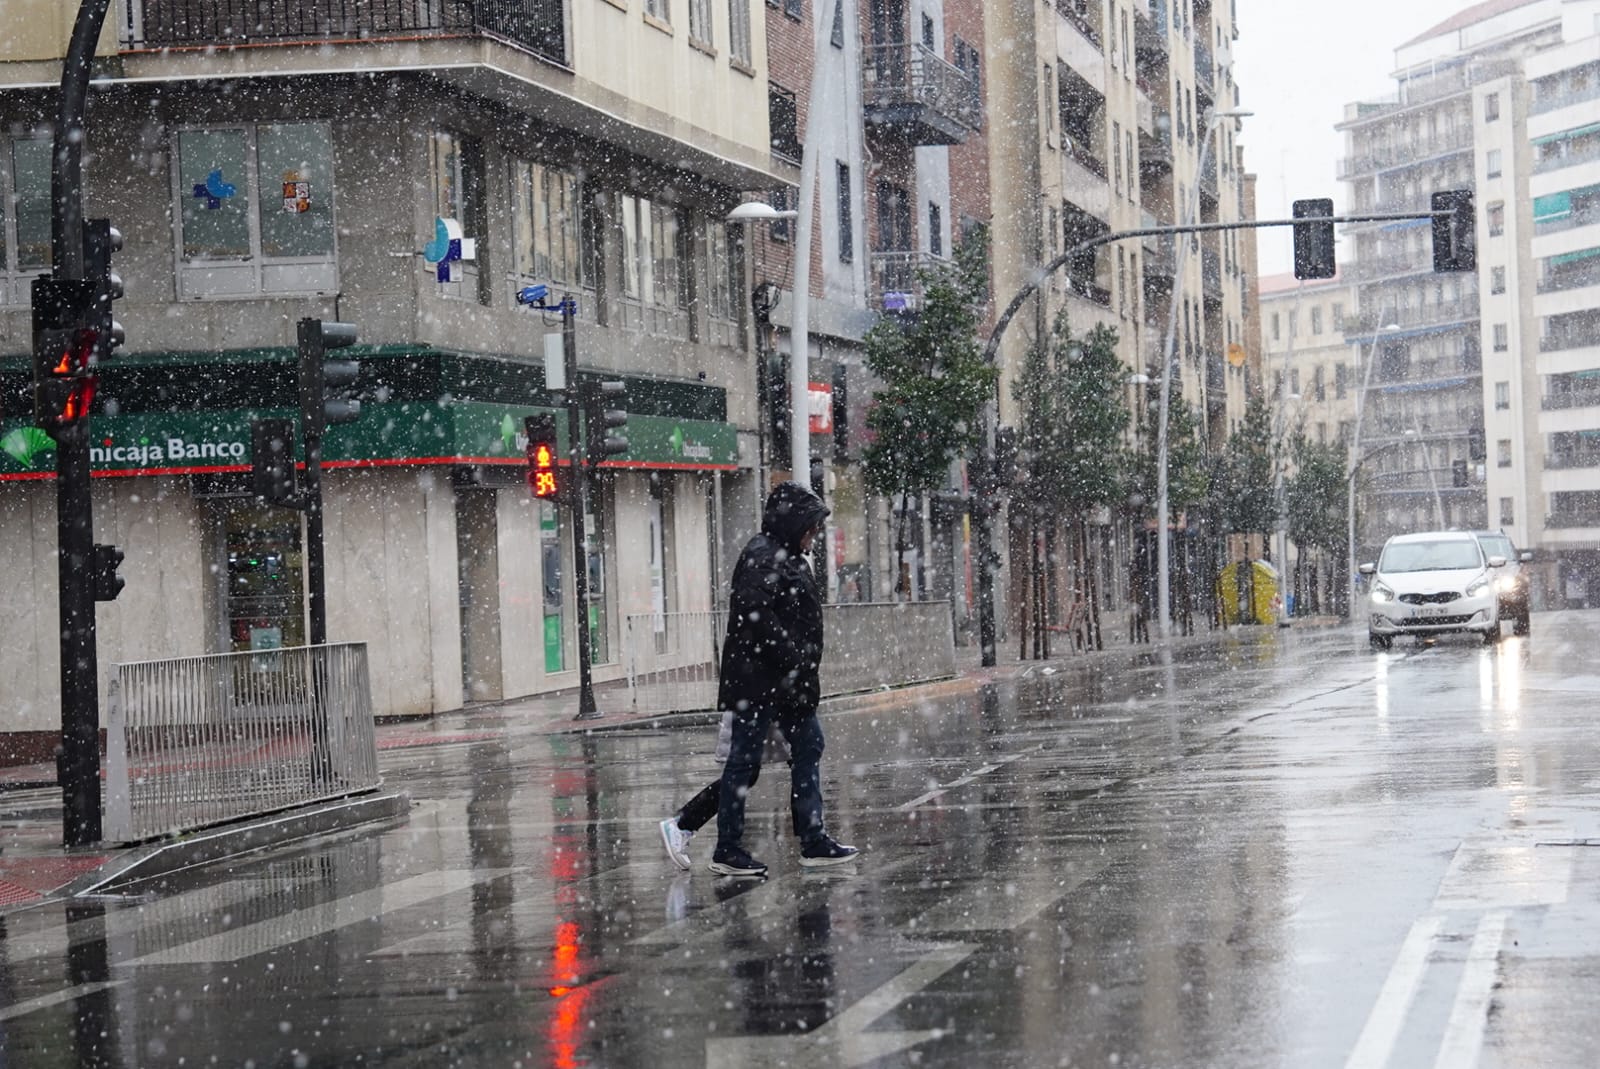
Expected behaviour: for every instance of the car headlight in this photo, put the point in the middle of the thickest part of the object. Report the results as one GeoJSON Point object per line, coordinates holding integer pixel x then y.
{"type": "Point", "coordinates": [1505, 584]}
{"type": "Point", "coordinates": [1478, 586]}
{"type": "Point", "coordinates": [1381, 592]}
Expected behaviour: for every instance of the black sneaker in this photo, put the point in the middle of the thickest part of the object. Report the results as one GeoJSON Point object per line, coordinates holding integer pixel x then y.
{"type": "Point", "coordinates": [827, 852]}
{"type": "Point", "coordinates": [734, 861]}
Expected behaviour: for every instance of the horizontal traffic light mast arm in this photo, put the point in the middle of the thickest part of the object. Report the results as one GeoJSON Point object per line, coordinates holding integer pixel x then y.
{"type": "Point", "coordinates": [992, 349]}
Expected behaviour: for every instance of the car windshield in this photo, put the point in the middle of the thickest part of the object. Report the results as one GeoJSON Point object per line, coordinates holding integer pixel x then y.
{"type": "Point", "coordinates": [1497, 546]}
{"type": "Point", "coordinates": [1430, 556]}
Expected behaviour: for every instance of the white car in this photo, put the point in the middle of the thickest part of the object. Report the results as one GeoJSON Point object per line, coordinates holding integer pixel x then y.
{"type": "Point", "coordinates": [1429, 584]}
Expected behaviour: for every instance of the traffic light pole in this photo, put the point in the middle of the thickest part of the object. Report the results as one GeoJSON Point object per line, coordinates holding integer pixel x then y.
{"type": "Point", "coordinates": [587, 709]}
{"type": "Point", "coordinates": [316, 558]}
{"type": "Point", "coordinates": [78, 766]}
{"type": "Point", "coordinates": [985, 487]}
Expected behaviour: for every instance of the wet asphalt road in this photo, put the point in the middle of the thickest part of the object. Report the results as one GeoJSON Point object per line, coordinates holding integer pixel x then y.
{"type": "Point", "coordinates": [1278, 849]}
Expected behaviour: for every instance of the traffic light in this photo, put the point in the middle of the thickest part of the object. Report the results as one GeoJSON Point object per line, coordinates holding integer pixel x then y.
{"type": "Point", "coordinates": [602, 416]}
{"type": "Point", "coordinates": [1455, 236]}
{"type": "Point", "coordinates": [100, 240]}
{"type": "Point", "coordinates": [65, 338]}
{"type": "Point", "coordinates": [325, 395]}
{"type": "Point", "coordinates": [1314, 242]}
{"type": "Point", "coordinates": [544, 478]}
{"type": "Point", "coordinates": [104, 580]}
{"type": "Point", "coordinates": [272, 471]}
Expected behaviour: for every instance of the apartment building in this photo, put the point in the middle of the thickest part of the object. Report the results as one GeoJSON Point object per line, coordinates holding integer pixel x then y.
{"type": "Point", "coordinates": [1428, 332]}
{"type": "Point", "coordinates": [1312, 388]}
{"type": "Point", "coordinates": [898, 86]}
{"type": "Point", "coordinates": [272, 161]}
{"type": "Point", "coordinates": [1539, 160]}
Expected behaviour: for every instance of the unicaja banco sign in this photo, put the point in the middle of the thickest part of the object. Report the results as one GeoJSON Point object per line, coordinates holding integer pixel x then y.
{"type": "Point", "coordinates": [167, 451]}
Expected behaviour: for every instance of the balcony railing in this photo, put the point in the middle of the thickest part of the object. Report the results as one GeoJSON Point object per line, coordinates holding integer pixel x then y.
{"type": "Point", "coordinates": [1559, 281]}
{"type": "Point", "coordinates": [1150, 37]}
{"type": "Point", "coordinates": [1566, 520]}
{"type": "Point", "coordinates": [929, 101]}
{"type": "Point", "coordinates": [1587, 151]}
{"type": "Point", "coordinates": [539, 26]}
{"type": "Point", "coordinates": [1377, 267]}
{"type": "Point", "coordinates": [1403, 153]}
{"type": "Point", "coordinates": [897, 279]}
{"type": "Point", "coordinates": [1081, 15]}
{"type": "Point", "coordinates": [1543, 102]}
{"type": "Point", "coordinates": [1577, 339]}
{"type": "Point", "coordinates": [1568, 461]}
{"type": "Point", "coordinates": [1560, 402]}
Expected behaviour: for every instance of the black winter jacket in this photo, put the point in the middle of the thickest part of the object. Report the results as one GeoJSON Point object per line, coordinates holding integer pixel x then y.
{"type": "Point", "coordinates": [774, 640]}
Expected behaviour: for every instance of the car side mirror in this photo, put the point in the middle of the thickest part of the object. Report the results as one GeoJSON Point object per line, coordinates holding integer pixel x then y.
{"type": "Point", "coordinates": [1525, 557]}
{"type": "Point", "coordinates": [1369, 569]}
{"type": "Point", "coordinates": [1497, 562]}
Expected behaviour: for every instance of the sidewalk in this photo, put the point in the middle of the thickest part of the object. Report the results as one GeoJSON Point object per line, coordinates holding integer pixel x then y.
{"type": "Point", "coordinates": [35, 867]}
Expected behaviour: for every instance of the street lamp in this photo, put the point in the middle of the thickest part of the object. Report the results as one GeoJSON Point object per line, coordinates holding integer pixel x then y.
{"type": "Point", "coordinates": [1163, 505]}
{"type": "Point", "coordinates": [1355, 463]}
{"type": "Point", "coordinates": [744, 215]}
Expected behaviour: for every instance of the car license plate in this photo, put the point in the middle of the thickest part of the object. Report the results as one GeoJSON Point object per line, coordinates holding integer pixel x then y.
{"type": "Point", "coordinates": [1426, 611]}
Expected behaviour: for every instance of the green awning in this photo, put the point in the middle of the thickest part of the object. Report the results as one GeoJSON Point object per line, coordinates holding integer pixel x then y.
{"type": "Point", "coordinates": [1568, 135]}
{"type": "Point", "coordinates": [1555, 206]}
{"type": "Point", "coordinates": [1572, 257]}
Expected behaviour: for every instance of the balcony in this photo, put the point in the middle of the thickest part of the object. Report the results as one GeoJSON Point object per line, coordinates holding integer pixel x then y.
{"type": "Point", "coordinates": [539, 26]}
{"type": "Point", "coordinates": [1565, 520]}
{"type": "Point", "coordinates": [1570, 339]}
{"type": "Point", "coordinates": [897, 280]}
{"type": "Point", "coordinates": [1205, 66]}
{"type": "Point", "coordinates": [1569, 221]}
{"type": "Point", "coordinates": [1406, 153]}
{"type": "Point", "coordinates": [1546, 102]}
{"type": "Point", "coordinates": [1155, 150]}
{"type": "Point", "coordinates": [918, 98]}
{"type": "Point", "coordinates": [1083, 16]}
{"type": "Point", "coordinates": [1393, 266]}
{"type": "Point", "coordinates": [1150, 45]}
{"type": "Point", "coordinates": [1574, 153]}
{"type": "Point", "coordinates": [1560, 402]}
{"type": "Point", "coordinates": [1570, 461]}
{"type": "Point", "coordinates": [1571, 275]}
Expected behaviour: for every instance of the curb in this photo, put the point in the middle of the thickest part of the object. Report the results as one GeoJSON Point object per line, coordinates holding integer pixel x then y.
{"type": "Point", "coordinates": [210, 845]}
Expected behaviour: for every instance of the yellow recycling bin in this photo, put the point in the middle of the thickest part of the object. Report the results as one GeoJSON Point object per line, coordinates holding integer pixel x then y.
{"type": "Point", "coordinates": [1257, 589]}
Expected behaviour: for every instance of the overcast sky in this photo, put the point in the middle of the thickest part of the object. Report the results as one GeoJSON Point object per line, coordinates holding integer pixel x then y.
{"type": "Point", "coordinates": [1298, 64]}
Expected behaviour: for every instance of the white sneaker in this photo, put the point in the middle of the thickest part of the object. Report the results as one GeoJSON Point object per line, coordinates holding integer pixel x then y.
{"type": "Point", "coordinates": [676, 841]}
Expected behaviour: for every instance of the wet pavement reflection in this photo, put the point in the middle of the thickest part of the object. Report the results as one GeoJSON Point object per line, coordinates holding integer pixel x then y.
{"type": "Point", "coordinates": [1276, 848]}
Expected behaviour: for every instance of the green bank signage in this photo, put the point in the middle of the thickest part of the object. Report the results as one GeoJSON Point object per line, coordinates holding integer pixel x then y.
{"type": "Point", "coordinates": [457, 432]}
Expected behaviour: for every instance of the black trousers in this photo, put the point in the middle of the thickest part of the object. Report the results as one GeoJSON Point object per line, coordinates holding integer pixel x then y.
{"type": "Point", "coordinates": [803, 733]}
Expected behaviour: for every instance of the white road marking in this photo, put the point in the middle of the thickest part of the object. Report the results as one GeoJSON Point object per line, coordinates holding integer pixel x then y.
{"type": "Point", "coordinates": [278, 932]}
{"type": "Point", "coordinates": [1505, 872]}
{"type": "Point", "coordinates": [1388, 1014]}
{"type": "Point", "coordinates": [924, 799]}
{"type": "Point", "coordinates": [1469, 1017]}
{"type": "Point", "coordinates": [44, 1002]}
{"type": "Point", "coordinates": [844, 1041]}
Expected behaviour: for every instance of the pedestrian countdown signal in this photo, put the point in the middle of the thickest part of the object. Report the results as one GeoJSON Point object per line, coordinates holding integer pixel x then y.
{"type": "Point", "coordinates": [543, 475]}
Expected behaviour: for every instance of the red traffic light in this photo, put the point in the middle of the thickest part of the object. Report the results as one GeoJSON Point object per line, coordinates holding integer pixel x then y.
{"type": "Point", "coordinates": [543, 474]}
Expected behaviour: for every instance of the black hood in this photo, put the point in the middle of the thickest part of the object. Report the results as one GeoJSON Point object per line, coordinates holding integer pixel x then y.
{"type": "Point", "coordinates": [791, 511]}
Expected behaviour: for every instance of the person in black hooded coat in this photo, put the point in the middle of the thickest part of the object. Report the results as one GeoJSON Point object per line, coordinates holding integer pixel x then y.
{"type": "Point", "coordinates": [769, 679]}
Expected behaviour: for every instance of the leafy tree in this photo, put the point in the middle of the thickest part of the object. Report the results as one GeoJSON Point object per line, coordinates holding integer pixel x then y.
{"type": "Point", "coordinates": [935, 382]}
{"type": "Point", "coordinates": [1244, 489]}
{"type": "Point", "coordinates": [1188, 475]}
{"type": "Point", "coordinates": [1317, 501]}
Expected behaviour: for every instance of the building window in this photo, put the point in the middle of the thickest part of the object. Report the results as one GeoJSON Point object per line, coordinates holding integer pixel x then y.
{"type": "Point", "coordinates": [847, 230]}
{"type": "Point", "coordinates": [894, 219]}
{"type": "Point", "coordinates": [659, 9]}
{"type": "Point", "coordinates": [966, 59]}
{"type": "Point", "coordinates": [724, 278]}
{"type": "Point", "coordinates": [783, 121]}
{"type": "Point", "coordinates": [1502, 452]}
{"type": "Point", "coordinates": [794, 8]}
{"type": "Point", "coordinates": [1494, 166]}
{"type": "Point", "coordinates": [700, 30]}
{"type": "Point", "coordinates": [928, 32]}
{"type": "Point", "coordinates": [1294, 325]}
{"type": "Point", "coordinates": [1502, 340]}
{"type": "Point", "coordinates": [1497, 218]}
{"type": "Point", "coordinates": [935, 229]}
{"type": "Point", "coordinates": [1491, 107]}
{"type": "Point", "coordinates": [1341, 381]}
{"type": "Point", "coordinates": [1319, 388]}
{"type": "Point", "coordinates": [1508, 512]}
{"type": "Point", "coordinates": [1502, 395]}
{"type": "Point", "coordinates": [1338, 315]}
{"type": "Point", "coordinates": [1497, 280]}
{"type": "Point", "coordinates": [1122, 282]}
{"type": "Point", "coordinates": [1049, 103]}
{"type": "Point", "coordinates": [1116, 157]}
{"type": "Point", "coordinates": [1277, 333]}
{"type": "Point", "coordinates": [266, 228]}
{"type": "Point", "coordinates": [739, 31]}
{"type": "Point", "coordinates": [25, 229]}
{"type": "Point", "coordinates": [781, 199]}
{"type": "Point", "coordinates": [651, 253]}
{"type": "Point", "coordinates": [1316, 320]}
{"type": "Point", "coordinates": [544, 219]}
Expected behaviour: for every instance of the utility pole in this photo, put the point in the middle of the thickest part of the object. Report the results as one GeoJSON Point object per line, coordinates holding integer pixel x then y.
{"type": "Point", "coordinates": [587, 709]}
{"type": "Point", "coordinates": [78, 766]}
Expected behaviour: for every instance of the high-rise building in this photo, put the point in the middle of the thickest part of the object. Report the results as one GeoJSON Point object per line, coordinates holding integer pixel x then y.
{"type": "Point", "coordinates": [1426, 330]}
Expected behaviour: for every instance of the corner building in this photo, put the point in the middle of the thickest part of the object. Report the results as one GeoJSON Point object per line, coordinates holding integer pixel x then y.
{"type": "Point", "coordinates": [278, 161]}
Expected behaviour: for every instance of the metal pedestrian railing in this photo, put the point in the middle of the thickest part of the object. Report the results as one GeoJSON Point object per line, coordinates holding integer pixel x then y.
{"type": "Point", "coordinates": [672, 660]}
{"type": "Point", "coordinates": [195, 741]}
